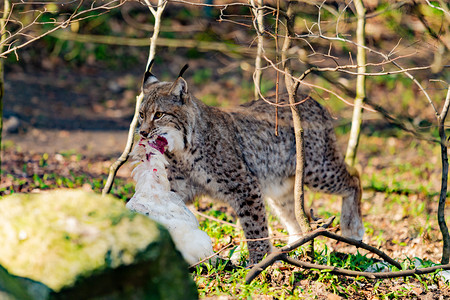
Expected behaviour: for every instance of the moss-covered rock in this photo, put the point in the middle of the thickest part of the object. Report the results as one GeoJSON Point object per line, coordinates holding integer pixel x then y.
{"type": "Point", "coordinates": [68, 244]}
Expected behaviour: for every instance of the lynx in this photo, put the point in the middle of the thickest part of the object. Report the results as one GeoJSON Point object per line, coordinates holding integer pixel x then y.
{"type": "Point", "coordinates": [234, 156]}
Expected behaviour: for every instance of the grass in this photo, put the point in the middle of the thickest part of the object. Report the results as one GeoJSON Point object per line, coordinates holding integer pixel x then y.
{"type": "Point", "coordinates": [122, 188]}
{"type": "Point", "coordinates": [399, 207]}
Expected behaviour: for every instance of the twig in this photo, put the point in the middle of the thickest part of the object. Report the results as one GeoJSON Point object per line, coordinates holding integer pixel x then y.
{"type": "Point", "coordinates": [3, 21]}
{"type": "Point", "coordinates": [446, 12]}
{"type": "Point", "coordinates": [143, 42]}
{"type": "Point", "coordinates": [319, 222]}
{"type": "Point", "coordinates": [277, 84]}
{"type": "Point", "coordinates": [416, 82]}
{"type": "Point", "coordinates": [123, 158]}
{"type": "Point", "coordinates": [213, 255]}
{"type": "Point", "coordinates": [394, 120]}
{"type": "Point", "coordinates": [76, 16]}
{"type": "Point", "coordinates": [314, 86]}
{"type": "Point", "coordinates": [214, 219]}
{"type": "Point", "coordinates": [370, 275]}
{"type": "Point", "coordinates": [443, 194]}
{"type": "Point", "coordinates": [345, 67]}
{"type": "Point", "coordinates": [431, 32]}
{"type": "Point", "coordinates": [281, 253]}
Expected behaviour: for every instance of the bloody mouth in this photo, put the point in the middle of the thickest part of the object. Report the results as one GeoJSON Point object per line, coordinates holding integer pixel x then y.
{"type": "Point", "coordinates": [159, 144]}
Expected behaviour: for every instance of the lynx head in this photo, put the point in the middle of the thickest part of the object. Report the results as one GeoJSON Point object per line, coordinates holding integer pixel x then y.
{"type": "Point", "coordinates": [166, 111]}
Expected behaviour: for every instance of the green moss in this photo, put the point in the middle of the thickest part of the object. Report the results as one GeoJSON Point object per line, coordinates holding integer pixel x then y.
{"type": "Point", "coordinates": [69, 239]}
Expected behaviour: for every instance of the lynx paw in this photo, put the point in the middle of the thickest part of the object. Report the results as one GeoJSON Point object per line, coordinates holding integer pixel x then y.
{"type": "Point", "coordinates": [353, 229]}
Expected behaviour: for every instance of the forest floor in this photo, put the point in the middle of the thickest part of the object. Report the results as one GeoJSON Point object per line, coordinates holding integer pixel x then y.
{"type": "Point", "coordinates": [72, 127]}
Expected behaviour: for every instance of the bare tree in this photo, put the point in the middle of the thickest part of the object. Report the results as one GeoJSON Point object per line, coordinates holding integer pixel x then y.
{"type": "Point", "coordinates": [353, 140]}
{"type": "Point", "coordinates": [3, 21]}
{"type": "Point", "coordinates": [299, 191]}
{"type": "Point", "coordinates": [443, 194]}
{"type": "Point", "coordinates": [157, 13]}
{"type": "Point", "coordinates": [259, 26]}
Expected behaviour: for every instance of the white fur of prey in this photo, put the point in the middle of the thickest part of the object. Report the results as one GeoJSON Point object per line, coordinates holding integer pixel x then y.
{"type": "Point", "coordinates": [154, 199]}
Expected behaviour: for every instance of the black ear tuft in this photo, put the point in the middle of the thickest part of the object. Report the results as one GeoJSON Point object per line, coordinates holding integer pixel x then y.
{"type": "Point", "coordinates": [186, 66]}
{"type": "Point", "coordinates": [179, 86]}
{"type": "Point", "coordinates": [148, 74]}
{"type": "Point", "coordinates": [150, 65]}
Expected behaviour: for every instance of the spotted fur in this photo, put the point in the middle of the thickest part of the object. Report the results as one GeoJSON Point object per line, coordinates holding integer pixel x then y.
{"type": "Point", "coordinates": [234, 156]}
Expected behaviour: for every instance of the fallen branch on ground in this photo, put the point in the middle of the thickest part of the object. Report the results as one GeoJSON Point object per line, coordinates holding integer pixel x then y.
{"type": "Point", "coordinates": [282, 255]}
{"type": "Point", "coordinates": [370, 275]}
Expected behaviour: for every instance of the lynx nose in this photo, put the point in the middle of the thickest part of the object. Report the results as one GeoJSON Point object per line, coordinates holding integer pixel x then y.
{"type": "Point", "coordinates": [143, 133]}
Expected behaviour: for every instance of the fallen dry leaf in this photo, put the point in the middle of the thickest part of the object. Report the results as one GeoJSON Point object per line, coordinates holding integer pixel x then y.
{"type": "Point", "coordinates": [333, 297]}
{"type": "Point", "coordinates": [417, 290]}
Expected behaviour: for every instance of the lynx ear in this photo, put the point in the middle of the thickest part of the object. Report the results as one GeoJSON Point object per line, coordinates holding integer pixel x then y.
{"type": "Point", "coordinates": [149, 78]}
{"type": "Point", "coordinates": [179, 87]}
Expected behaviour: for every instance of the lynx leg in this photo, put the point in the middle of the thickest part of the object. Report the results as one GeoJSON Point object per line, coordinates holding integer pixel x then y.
{"type": "Point", "coordinates": [351, 218]}
{"type": "Point", "coordinates": [281, 201]}
{"type": "Point", "coordinates": [252, 216]}
{"type": "Point", "coordinates": [283, 208]}
{"type": "Point", "coordinates": [343, 181]}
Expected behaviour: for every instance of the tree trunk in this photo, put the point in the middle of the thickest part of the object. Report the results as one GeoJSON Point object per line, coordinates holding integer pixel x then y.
{"type": "Point", "coordinates": [3, 20]}
{"type": "Point", "coordinates": [299, 195]}
{"type": "Point", "coordinates": [353, 141]}
{"type": "Point", "coordinates": [259, 26]}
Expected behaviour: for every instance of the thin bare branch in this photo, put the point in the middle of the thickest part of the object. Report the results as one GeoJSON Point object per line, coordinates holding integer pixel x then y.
{"type": "Point", "coordinates": [445, 11]}
{"type": "Point", "coordinates": [232, 51]}
{"type": "Point", "coordinates": [370, 275]}
{"type": "Point", "coordinates": [277, 83]}
{"type": "Point", "coordinates": [76, 16]}
{"type": "Point", "coordinates": [444, 179]}
{"type": "Point", "coordinates": [3, 20]}
{"type": "Point", "coordinates": [297, 119]}
{"type": "Point", "coordinates": [353, 140]}
{"type": "Point", "coordinates": [282, 252]}
{"type": "Point", "coordinates": [214, 219]}
{"type": "Point", "coordinates": [340, 15]}
{"type": "Point", "coordinates": [130, 140]}
{"type": "Point", "coordinates": [213, 255]}
{"type": "Point", "coordinates": [316, 86]}
{"type": "Point", "coordinates": [446, 106]}
{"type": "Point", "coordinates": [385, 56]}
{"type": "Point", "coordinates": [150, 7]}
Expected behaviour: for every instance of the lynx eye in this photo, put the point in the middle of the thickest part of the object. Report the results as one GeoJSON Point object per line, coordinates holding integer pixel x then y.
{"type": "Point", "coordinates": [158, 115]}
{"type": "Point", "coordinates": [141, 115]}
